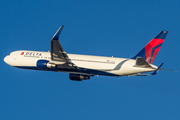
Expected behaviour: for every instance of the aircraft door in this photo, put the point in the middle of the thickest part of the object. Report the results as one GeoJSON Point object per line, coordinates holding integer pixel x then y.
{"type": "Point", "coordinates": [14, 56]}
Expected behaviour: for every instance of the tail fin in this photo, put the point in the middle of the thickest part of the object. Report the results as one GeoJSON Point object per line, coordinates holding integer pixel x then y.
{"type": "Point", "coordinates": [150, 51]}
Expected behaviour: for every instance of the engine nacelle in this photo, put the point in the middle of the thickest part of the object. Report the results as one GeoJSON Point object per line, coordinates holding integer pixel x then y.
{"type": "Point", "coordinates": [44, 64]}
{"type": "Point", "coordinates": [78, 77]}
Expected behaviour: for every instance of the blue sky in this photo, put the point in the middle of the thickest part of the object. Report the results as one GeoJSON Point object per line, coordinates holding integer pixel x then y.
{"type": "Point", "coordinates": [108, 28]}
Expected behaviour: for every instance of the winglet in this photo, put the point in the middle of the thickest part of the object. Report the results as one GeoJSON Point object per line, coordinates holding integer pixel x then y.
{"type": "Point", "coordinates": [56, 35]}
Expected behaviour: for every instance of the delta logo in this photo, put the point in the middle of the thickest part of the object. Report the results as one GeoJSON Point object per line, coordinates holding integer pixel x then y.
{"type": "Point", "coordinates": [22, 53]}
{"type": "Point", "coordinates": [31, 54]}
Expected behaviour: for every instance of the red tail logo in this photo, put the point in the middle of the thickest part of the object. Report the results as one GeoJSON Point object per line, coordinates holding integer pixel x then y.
{"type": "Point", "coordinates": [150, 51]}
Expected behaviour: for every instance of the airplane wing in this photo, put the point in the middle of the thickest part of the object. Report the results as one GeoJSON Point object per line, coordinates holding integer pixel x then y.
{"type": "Point", "coordinates": [58, 53]}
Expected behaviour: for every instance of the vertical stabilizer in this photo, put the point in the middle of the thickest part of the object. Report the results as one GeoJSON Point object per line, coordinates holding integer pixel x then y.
{"type": "Point", "coordinates": [150, 51]}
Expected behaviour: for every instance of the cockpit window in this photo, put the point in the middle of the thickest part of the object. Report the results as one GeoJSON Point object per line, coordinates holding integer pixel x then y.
{"type": "Point", "coordinates": [11, 53]}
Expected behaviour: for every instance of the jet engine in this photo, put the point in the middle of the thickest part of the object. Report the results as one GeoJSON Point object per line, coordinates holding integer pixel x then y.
{"type": "Point", "coordinates": [78, 77]}
{"type": "Point", "coordinates": [44, 64]}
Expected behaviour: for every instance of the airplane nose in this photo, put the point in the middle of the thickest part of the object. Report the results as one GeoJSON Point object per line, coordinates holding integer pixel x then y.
{"type": "Point", "coordinates": [6, 59]}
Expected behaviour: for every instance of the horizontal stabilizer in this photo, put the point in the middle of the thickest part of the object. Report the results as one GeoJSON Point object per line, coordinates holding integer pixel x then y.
{"type": "Point", "coordinates": [153, 73]}
{"type": "Point", "coordinates": [140, 62]}
{"type": "Point", "coordinates": [156, 71]}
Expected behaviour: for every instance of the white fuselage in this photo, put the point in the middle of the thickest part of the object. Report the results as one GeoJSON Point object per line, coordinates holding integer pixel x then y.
{"type": "Point", "coordinates": [108, 66]}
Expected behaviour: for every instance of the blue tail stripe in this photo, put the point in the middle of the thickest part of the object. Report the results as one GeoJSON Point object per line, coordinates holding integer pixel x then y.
{"type": "Point", "coordinates": [162, 35]}
{"type": "Point", "coordinates": [140, 54]}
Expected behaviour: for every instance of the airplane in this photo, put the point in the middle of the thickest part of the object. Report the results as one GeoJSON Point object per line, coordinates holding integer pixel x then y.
{"type": "Point", "coordinates": [82, 67]}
